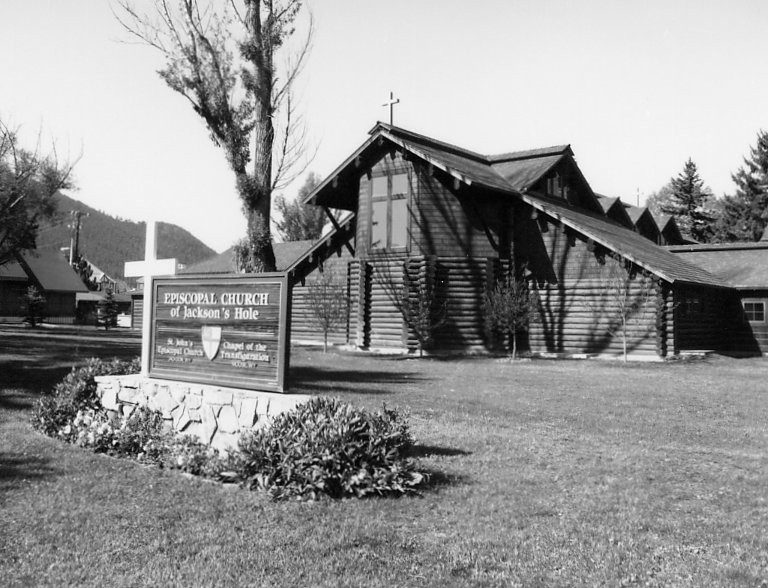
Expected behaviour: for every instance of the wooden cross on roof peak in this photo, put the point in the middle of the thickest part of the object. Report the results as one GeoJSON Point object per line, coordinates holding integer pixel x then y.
{"type": "Point", "coordinates": [151, 266]}
{"type": "Point", "coordinates": [391, 103]}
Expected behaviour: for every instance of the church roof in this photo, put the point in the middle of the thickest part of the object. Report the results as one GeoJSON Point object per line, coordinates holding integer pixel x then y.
{"type": "Point", "coordinates": [513, 174]}
{"type": "Point", "coordinates": [625, 242]}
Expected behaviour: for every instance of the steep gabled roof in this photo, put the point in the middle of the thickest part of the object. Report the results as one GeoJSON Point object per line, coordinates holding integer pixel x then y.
{"type": "Point", "coordinates": [614, 208]}
{"type": "Point", "coordinates": [467, 166]}
{"type": "Point", "coordinates": [741, 265]}
{"type": "Point", "coordinates": [625, 242]}
{"type": "Point", "coordinates": [13, 271]}
{"type": "Point", "coordinates": [513, 174]}
{"type": "Point", "coordinates": [49, 269]}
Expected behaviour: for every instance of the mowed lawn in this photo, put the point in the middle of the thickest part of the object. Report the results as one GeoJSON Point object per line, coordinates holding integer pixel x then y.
{"type": "Point", "coordinates": [545, 473]}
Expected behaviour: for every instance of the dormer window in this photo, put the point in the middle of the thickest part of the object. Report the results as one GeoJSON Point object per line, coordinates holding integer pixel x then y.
{"type": "Point", "coordinates": [555, 185]}
{"type": "Point", "coordinates": [389, 211]}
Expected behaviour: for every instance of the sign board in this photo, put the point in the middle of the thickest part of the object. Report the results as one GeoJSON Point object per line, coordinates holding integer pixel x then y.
{"type": "Point", "coordinates": [222, 330]}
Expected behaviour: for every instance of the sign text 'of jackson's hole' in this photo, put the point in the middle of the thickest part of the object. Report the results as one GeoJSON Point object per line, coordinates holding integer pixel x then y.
{"type": "Point", "coordinates": [228, 331]}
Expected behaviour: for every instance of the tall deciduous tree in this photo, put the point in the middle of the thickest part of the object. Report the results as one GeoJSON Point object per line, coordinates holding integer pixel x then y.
{"type": "Point", "coordinates": [688, 201]}
{"type": "Point", "coordinates": [28, 182]}
{"type": "Point", "coordinates": [222, 58]}
{"type": "Point", "coordinates": [300, 221]}
{"type": "Point", "coordinates": [745, 214]}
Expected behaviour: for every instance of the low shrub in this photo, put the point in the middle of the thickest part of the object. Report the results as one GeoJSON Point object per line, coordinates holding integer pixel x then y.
{"type": "Point", "coordinates": [326, 447]}
{"type": "Point", "coordinates": [191, 456]}
{"type": "Point", "coordinates": [76, 392]}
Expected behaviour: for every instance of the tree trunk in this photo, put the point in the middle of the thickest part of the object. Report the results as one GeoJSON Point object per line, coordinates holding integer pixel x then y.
{"type": "Point", "coordinates": [514, 344]}
{"type": "Point", "coordinates": [624, 337]}
{"type": "Point", "coordinates": [325, 342]}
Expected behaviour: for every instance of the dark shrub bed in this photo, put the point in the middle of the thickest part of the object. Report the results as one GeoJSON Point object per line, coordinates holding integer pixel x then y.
{"type": "Point", "coordinates": [77, 392]}
{"type": "Point", "coordinates": [322, 448]}
{"type": "Point", "coordinates": [326, 447]}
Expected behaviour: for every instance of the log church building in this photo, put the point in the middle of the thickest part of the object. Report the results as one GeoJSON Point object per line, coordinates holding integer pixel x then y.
{"type": "Point", "coordinates": [418, 210]}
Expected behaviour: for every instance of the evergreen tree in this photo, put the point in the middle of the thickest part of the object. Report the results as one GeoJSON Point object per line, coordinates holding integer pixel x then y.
{"type": "Point", "coordinates": [745, 214]}
{"type": "Point", "coordinates": [33, 304]}
{"type": "Point", "coordinates": [106, 312]}
{"type": "Point", "coordinates": [300, 221]}
{"type": "Point", "coordinates": [688, 202]}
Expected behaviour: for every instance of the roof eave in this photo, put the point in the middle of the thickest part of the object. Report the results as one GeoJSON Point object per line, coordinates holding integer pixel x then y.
{"type": "Point", "coordinates": [597, 239]}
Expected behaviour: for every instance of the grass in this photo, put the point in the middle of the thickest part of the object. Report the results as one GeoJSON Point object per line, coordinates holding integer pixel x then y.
{"type": "Point", "coordinates": [547, 473]}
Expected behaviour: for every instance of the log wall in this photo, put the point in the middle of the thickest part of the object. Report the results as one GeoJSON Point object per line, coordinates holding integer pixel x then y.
{"type": "Point", "coordinates": [579, 313]}
{"type": "Point", "coordinates": [304, 324]}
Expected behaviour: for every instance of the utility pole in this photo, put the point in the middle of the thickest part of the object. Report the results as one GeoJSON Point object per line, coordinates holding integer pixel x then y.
{"type": "Point", "coordinates": [74, 242]}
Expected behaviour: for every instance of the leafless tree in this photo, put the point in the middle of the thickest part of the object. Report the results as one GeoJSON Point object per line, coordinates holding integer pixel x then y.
{"type": "Point", "coordinates": [222, 57]}
{"type": "Point", "coordinates": [624, 297]}
{"type": "Point", "coordinates": [509, 307]}
{"type": "Point", "coordinates": [327, 304]}
{"type": "Point", "coordinates": [412, 285]}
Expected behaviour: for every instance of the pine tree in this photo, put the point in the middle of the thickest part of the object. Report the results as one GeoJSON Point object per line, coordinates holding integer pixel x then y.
{"type": "Point", "coordinates": [688, 203]}
{"type": "Point", "coordinates": [745, 214]}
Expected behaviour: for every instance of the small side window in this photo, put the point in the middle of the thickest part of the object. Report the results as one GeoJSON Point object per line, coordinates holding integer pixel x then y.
{"type": "Point", "coordinates": [754, 311]}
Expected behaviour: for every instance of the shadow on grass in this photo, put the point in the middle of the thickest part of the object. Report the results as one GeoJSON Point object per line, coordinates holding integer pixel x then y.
{"type": "Point", "coordinates": [437, 479]}
{"type": "Point", "coordinates": [15, 399]}
{"type": "Point", "coordinates": [431, 450]}
{"type": "Point", "coordinates": [16, 468]}
{"type": "Point", "coordinates": [310, 380]}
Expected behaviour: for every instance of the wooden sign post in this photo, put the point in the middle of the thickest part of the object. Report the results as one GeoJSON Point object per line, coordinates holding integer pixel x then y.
{"type": "Point", "coordinates": [151, 266]}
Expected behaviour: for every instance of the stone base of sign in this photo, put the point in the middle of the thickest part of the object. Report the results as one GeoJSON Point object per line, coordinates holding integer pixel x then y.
{"type": "Point", "coordinates": [213, 414]}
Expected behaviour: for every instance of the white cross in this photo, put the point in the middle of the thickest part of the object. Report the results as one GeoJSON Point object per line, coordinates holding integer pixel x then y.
{"type": "Point", "coordinates": [151, 266]}
{"type": "Point", "coordinates": [391, 103]}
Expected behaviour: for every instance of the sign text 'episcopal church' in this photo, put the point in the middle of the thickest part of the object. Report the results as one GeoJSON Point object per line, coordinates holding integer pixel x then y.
{"type": "Point", "coordinates": [227, 331]}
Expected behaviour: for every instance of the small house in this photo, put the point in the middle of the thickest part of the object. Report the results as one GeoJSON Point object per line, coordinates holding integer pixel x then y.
{"type": "Point", "coordinates": [54, 278]}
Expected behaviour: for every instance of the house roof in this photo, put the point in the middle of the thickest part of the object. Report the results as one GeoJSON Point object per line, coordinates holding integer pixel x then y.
{"type": "Point", "coordinates": [741, 265]}
{"type": "Point", "coordinates": [47, 268]}
{"type": "Point", "coordinates": [625, 242]}
{"type": "Point", "coordinates": [13, 271]}
{"type": "Point", "coordinates": [513, 174]}
{"type": "Point", "coordinates": [286, 254]}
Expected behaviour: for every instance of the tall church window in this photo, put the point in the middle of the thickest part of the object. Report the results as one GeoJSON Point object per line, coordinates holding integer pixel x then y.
{"type": "Point", "coordinates": [389, 211]}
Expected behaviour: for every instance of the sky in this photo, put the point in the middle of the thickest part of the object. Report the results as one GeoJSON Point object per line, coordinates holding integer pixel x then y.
{"type": "Point", "coordinates": [636, 88]}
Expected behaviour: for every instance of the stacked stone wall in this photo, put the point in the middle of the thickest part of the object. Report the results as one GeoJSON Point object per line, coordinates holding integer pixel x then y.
{"type": "Point", "coordinates": [215, 415]}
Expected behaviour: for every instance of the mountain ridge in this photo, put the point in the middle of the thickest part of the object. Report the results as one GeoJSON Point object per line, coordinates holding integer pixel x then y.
{"type": "Point", "coordinates": [108, 241]}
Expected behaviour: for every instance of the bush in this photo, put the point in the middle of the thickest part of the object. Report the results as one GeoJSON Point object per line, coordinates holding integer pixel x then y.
{"type": "Point", "coordinates": [141, 436]}
{"type": "Point", "coordinates": [33, 305]}
{"type": "Point", "coordinates": [326, 447]}
{"type": "Point", "coordinates": [77, 392]}
{"type": "Point", "coordinates": [191, 456]}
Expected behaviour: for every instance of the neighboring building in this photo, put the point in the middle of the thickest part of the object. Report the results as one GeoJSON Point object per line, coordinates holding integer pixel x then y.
{"type": "Point", "coordinates": [744, 266]}
{"type": "Point", "coordinates": [53, 277]}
